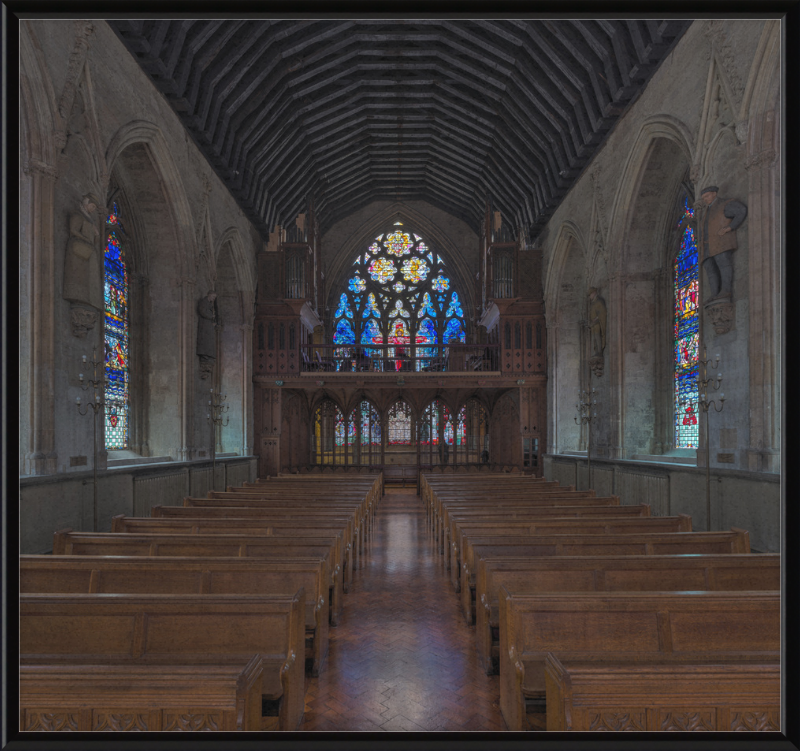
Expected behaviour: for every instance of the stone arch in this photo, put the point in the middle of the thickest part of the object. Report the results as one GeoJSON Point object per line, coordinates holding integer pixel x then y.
{"type": "Point", "coordinates": [232, 375]}
{"type": "Point", "coordinates": [640, 318]}
{"type": "Point", "coordinates": [566, 301]}
{"type": "Point", "coordinates": [150, 135]}
{"type": "Point", "coordinates": [163, 300]}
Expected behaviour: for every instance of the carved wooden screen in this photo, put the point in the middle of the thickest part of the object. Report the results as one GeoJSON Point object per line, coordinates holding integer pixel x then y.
{"type": "Point", "coordinates": [436, 435]}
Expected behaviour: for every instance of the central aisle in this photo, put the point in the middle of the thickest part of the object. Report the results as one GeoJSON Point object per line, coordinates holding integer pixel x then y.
{"type": "Point", "coordinates": [402, 657]}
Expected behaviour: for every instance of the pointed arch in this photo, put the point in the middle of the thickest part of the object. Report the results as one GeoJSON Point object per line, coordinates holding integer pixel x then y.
{"type": "Point", "coordinates": [144, 132]}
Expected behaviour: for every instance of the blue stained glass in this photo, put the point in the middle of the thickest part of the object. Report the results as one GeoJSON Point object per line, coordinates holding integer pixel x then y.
{"type": "Point", "coordinates": [427, 332]}
{"type": "Point", "coordinates": [455, 307]}
{"type": "Point", "coordinates": [440, 284]}
{"type": "Point", "coordinates": [454, 330]}
{"type": "Point", "coordinates": [686, 337]}
{"type": "Point", "coordinates": [357, 284]}
{"type": "Point", "coordinates": [344, 307]}
{"type": "Point", "coordinates": [371, 308]}
{"type": "Point", "coordinates": [117, 365]}
{"type": "Point", "coordinates": [427, 307]}
{"type": "Point", "coordinates": [399, 310]}
{"type": "Point", "coordinates": [371, 333]}
{"type": "Point", "coordinates": [441, 299]}
{"type": "Point", "coordinates": [344, 333]}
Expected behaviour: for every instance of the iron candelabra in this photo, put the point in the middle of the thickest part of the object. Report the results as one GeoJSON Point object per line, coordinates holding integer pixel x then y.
{"type": "Point", "coordinates": [587, 412]}
{"type": "Point", "coordinates": [216, 417]}
{"type": "Point", "coordinates": [97, 385]}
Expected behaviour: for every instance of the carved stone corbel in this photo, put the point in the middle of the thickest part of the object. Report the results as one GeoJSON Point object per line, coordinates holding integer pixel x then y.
{"type": "Point", "coordinates": [82, 319]}
{"type": "Point", "coordinates": [756, 161]}
{"type": "Point", "coordinates": [597, 364]}
{"type": "Point", "coordinates": [721, 314]}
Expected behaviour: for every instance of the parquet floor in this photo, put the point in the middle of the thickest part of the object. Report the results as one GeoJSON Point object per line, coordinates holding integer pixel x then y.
{"type": "Point", "coordinates": [402, 657]}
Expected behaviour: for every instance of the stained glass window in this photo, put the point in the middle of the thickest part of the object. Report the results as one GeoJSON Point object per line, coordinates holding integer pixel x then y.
{"type": "Point", "coordinates": [686, 333]}
{"type": "Point", "coordinates": [116, 335]}
{"type": "Point", "coordinates": [328, 437]}
{"type": "Point", "coordinates": [399, 280]}
{"type": "Point", "coordinates": [399, 424]}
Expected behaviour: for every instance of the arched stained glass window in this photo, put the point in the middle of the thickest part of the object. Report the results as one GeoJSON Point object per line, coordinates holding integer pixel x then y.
{"type": "Point", "coordinates": [399, 294]}
{"type": "Point", "coordinates": [436, 434]}
{"type": "Point", "coordinates": [116, 335]}
{"type": "Point", "coordinates": [686, 334]}
{"type": "Point", "coordinates": [399, 425]}
{"type": "Point", "coordinates": [328, 437]}
{"type": "Point", "coordinates": [364, 435]}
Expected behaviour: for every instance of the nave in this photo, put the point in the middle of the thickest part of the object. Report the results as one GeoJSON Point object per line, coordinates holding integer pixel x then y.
{"type": "Point", "coordinates": [402, 657]}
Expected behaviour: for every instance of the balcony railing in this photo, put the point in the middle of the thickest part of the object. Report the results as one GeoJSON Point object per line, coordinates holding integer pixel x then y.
{"type": "Point", "coordinates": [400, 358]}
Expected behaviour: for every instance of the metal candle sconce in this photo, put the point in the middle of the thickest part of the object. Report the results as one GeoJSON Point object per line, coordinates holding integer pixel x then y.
{"type": "Point", "coordinates": [587, 411]}
{"type": "Point", "coordinates": [216, 409]}
{"type": "Point", "coordinates": [98, 386]}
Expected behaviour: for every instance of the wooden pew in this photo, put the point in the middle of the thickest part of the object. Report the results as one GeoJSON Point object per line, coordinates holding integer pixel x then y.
{"type": "Point", "coordinates": [142, 697]}
{"type": "Point", "coordinates": [604, 526]}
{"type": "Point", "coordinates": [68, 542]}
{"type": "Point", "coordinates": [74, 574]}
{"type": "Point", "coordinates": [609, 574]}
{"type": "Point", "coordinates": [263, 512]}
{"type": "Point", "coordinates": [442, 512]}
{"type": "Point", "coordinates": [503, 510]}
{"type": "Point", "coordinates": [314, 527]}
{"type": "Point", "coordinates": [678, 543]}
{"type": "Point", "coordinates": [662, 696]}
{"type": "Point", "coordinates": [627, 626]}
{"type": "Point", "coordinates": [243, 501]}
{"type": "Point", "coordinates": [179, 629]}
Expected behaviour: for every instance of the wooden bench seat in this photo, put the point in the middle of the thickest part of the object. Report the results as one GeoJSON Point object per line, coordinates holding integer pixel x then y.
{"type": "Point", "coordinates": [602, 526]}
{"type": "Point", "coordinates": [86, 697]}
{"type": "Point", "coordinates": [361, 530]}
{"type": "Point", "coordinates": [69, 542]}
{"type": "Point", "coordinates": [627, 626]}
{"type": "Point", "coordinates": [651, 544]}
{"type": "Point", "coordinates": [74, 574]}
{"type": "Point", "coordinates": [339, 526]}
{"type": "Point", "coordinates": [180, 629]}
{"type": "Point", "coordinates": [609, 574]}
{"type": "Point", "coordinates": [611, 696]}
{"type": "Point", "coordinates": [512, 511]}
{"type": "Point", "coordinates": [441, 515]}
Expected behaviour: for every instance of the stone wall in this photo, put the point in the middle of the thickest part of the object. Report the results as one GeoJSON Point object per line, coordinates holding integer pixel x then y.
{"type": "Point", "coordinates": [92, 122]}
{"type": "Point", "coordinates": [707, 117]}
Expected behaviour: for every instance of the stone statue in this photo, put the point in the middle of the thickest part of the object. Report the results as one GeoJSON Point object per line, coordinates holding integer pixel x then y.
{"type": "Point", "coordinates": [82, 275]}
{"type": "Point", "coordinates": [720, 221]}
{"type": "Point", "coordinates": [206, 333]}
{"type": "Point", "coordinates": [597, 330]}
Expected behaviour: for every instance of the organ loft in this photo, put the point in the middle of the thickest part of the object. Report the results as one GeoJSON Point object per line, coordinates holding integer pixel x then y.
{"type": "Point", "coordinates": [362, 358]}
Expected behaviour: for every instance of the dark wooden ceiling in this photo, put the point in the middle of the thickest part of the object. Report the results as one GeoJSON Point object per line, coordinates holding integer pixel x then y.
{"type": "Point", "coordinates": [451, 112]}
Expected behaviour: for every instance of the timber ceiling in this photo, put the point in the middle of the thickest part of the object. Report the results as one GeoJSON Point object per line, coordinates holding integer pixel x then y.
{"type": "Point", "coordinates": [450, 112]}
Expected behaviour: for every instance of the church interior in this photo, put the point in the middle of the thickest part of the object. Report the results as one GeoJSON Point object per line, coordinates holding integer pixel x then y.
{"type": "Point", "coordinates": [445, 354]}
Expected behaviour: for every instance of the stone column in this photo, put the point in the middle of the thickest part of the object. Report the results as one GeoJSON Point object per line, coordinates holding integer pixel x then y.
{"type": "Point", "coordinates": [186, 366]}
{"type": "Point", "coordinates": [614, 369]}
{"type": "Point", "coordinates": [764, 239]}
{"type": "Point", "coordinates": [40, 458]}
{"type": "Point", "coordinates": [552, 386]}
{"type": "Point", "coordinates": [247, 388]}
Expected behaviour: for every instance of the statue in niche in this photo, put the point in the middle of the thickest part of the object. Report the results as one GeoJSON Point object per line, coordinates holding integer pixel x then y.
{"type": "Point", "coordinates": [721, 219]}
{"type": "Point", "coordinates": [82, 275]}
{"type": "Point", "coordinates": [208, 320]}
{"type": "Point", "coordinates": [597, 330]}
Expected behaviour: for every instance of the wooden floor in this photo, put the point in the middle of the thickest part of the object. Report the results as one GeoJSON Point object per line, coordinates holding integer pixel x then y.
{"type": "Point", "coordinates": [402, 657]}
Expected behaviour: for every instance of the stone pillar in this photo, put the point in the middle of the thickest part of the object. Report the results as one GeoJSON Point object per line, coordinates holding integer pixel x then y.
{"type": "Point", "coordinates": [40, 458]}
{"type": "Point", "coordinates": [185, 375]}
{"type": "Point", "coordinates": [764, 293]}
{"type": "Point", "coordinates": [247, 388]}
{"type": "Point", "coordinates": [139, 348]}
{"type": "Point", "coordinates": [552, 387]}
{"type": "Point", "coordinates": [614, 366]}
